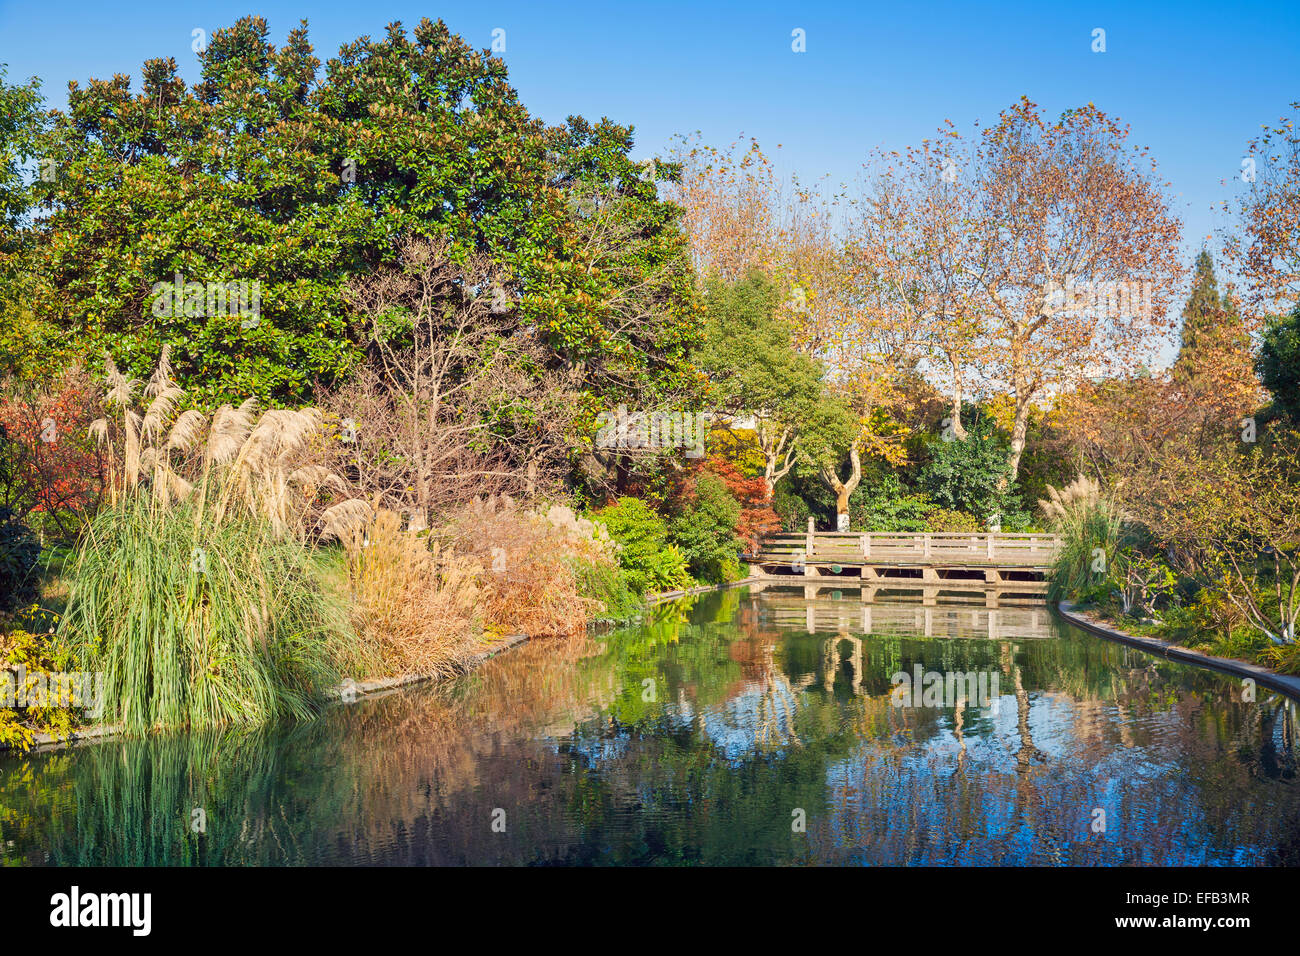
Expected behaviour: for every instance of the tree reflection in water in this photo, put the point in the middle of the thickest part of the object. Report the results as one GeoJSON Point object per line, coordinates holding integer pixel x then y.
{"type": "Point", "coordinates": [692, 738]}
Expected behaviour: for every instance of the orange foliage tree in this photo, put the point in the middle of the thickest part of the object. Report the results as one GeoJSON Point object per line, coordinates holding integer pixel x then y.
{"type": "Point", "coordinates": [1266, 250]}
{"type": "Point", "coordinates": [757, 519]}
{"type": "Point", "coordinates": [741, 216]}
{"type": "Point", "coordinates": [913, 239]}
{"type": "Point", "coordinates": [1077, 253]}
{"type": "Point", "coordinates": [48, 465]}
{"type": "Point", "coordinates": [1035, 256]}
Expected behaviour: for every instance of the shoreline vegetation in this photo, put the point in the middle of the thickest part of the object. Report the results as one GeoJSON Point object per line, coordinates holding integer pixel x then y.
{"type": "Point", "coordinates": [1087, 619]}
{"type": "Point", "coordinates": [351, 690]}
{"type": "Point", "coordinates": [398, 402]}
{"type": "Point", "coordinates": [1083, 617]}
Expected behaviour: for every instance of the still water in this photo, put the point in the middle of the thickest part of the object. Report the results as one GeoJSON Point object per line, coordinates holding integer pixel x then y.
{"type": "Point", "coordinates": [736, 728]}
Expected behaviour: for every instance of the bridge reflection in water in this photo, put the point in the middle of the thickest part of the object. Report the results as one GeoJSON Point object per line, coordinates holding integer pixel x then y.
{"type": "Point", "coordinates": [999, 614]}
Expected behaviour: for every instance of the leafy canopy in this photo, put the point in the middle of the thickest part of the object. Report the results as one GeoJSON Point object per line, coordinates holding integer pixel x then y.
{"type": "Point", "coordinates": [276, 169]}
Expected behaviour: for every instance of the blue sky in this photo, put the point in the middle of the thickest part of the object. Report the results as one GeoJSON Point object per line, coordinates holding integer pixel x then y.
{"type": "Point", "coordinates": [1195, 80]}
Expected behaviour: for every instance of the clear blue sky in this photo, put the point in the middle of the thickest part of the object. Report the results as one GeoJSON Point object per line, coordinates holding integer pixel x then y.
{"type": "Point", "coordinates": [1194, 79]}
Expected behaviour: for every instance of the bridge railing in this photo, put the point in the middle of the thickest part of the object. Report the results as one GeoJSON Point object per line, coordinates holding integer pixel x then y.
{"type": "Point", "coordinates": [923, 547]}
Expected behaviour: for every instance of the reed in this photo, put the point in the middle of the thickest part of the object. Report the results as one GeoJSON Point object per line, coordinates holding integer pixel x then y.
{"type": "Point", "coordinates": [198, 622]}
{"type": "Point", "coordinates": [412, 603]}
{"type": "Point", "coordinates": [194, 592]}
{"type": "Point", "coordinates": [1092, 530]}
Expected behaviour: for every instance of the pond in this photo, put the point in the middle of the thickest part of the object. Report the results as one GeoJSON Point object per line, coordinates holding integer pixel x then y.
{"type": "Point", "coordinates": [734, 728]}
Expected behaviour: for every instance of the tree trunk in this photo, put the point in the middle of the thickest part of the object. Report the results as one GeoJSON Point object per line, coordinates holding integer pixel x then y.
{"type": "Point", "coordinates": [842, 502]}
{"type": "Point", "coordinates": [843, 489]}
{"type": "Point", "coordinates": [778, 457]}
{"type": "Point", "coordinates": [1019, 430]}
{"type": "Point", "coordinates": [958, 396]}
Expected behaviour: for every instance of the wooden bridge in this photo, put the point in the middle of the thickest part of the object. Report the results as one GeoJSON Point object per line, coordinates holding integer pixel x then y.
{"type": "Point", "coordinates": [904, 557]}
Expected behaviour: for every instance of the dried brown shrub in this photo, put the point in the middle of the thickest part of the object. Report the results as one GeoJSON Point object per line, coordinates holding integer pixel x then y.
{"type": "Point", "coordinates": [532, 581]}
{"type": "Point", "coordinates": [414, 603]}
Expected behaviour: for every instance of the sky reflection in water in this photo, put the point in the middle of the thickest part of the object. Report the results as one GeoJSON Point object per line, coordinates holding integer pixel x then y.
{"type": "Point", "coordinates": [698, 738]}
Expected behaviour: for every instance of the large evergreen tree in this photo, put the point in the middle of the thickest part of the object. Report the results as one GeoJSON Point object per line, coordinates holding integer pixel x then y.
{"type": "Point", "coordinates": [1201, 312]}
{"type": "Point", "coordinates": [20, 124]}
{"type": "Point", "coordinates": [276, 170]}
{"type": "Point", "coordinates": [1215, 344]}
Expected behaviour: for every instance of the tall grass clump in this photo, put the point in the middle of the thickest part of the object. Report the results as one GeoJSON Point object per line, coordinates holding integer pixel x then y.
{"type": "Point", "coordinates": [196, 622]}
{"type": "Point", "coordinates": [193, 592]}
{"type": "Point", "coordinates": [545, 572]}
{"type": "Point", "coordinates": [1091, 527]}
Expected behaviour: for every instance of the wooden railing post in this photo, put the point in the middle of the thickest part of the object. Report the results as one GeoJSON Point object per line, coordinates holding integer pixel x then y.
{"type": "Point", "coordinates": [812, 527]}
{"type": "Point", "coordinates": [865, 541]}
{"type": "Point", "coordinates": [989, 538]}
{"type": "Point", "coordinates": [927, 546]}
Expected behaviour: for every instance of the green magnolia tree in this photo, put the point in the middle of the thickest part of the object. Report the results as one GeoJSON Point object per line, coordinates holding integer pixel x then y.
{"type": "Point", "coordinates": [24, 342]}
{"type": "Point", "coordinates": [19, 123]}
{"type": "Point", "coordinates": [277, 170]}
{"type": "Point", "coordinates": [630, 261]}
{"type": "Point", "coordinates": [755, 372]}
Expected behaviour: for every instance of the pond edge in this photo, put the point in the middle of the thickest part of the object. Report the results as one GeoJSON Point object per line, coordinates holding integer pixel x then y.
{"type": "Point", "coordinates": [1260, 675]}
{"type": "Point", "coordinates": [98, 733]}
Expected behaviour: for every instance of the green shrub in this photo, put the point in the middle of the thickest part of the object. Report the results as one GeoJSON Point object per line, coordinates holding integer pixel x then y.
{"type": "Point", "coordinates": [612, 587]}
{"type": "Point", "coordinates": [944, 520]}
{"type": "Point", "coordinates": [1148, 583]}
{"type": "Point", "coordinates": [971, 475]}
{"type": "Point", "coordinates": [198, 622]}
{"type": "Point", "coordinates": [19, 554]}
{"type": "Point", "coordinates": [881, 504]}
{"type": "Point", "coordinates": [706, 531]}
{"type": "Point", "coordinates": [651, 563]}
{"type": "Point", "coordinates": [792, 511]}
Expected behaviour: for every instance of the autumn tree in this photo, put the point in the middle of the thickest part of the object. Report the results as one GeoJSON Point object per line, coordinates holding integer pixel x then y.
{"type": "Point", "coordinates": [913, 242]}
{"type": "Point", "coordinates": [757, 519]}
{"type": "Point", "coordinates": [451, 406]}
{"type": "Point", "coordinates": [1265, 248]}
{"type": "Point", "coordinates": [1230, 517]}
{"type": "Point", "coordinates": [741, 216]}
{"type": "Point", "coordinates": [49, 468]}
{"type": "Point", "coordinates": [1077, 253]}
{"type": "Point", "coordinates": [731, 206]}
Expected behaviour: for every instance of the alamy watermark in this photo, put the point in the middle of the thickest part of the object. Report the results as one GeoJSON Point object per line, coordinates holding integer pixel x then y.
{"type": "Point", "coordinates": [76, 689]}
{"type": "Point", "coordinates": [944, 688]}
{"type": "Point", "coordinates": [1110, 298]}
{"type": "Point", "coordinates": [651, 432]}
{"type": "Point", "coordinates": [237, 299]}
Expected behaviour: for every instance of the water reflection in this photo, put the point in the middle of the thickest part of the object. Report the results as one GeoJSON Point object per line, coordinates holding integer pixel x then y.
{"type": "Point", "coordinates": [695, 738]}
